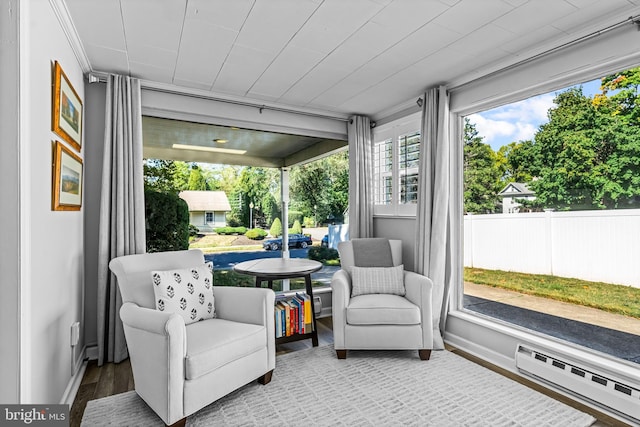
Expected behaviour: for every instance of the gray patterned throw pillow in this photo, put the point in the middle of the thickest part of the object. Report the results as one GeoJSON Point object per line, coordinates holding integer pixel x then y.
{"type": "Point", "coordinates": [377, 280]}
{"type": "Point", "coordinates": [187, 292]}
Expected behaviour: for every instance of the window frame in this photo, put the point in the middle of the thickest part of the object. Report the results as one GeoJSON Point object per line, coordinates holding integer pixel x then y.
{"type": "Point", "coordinates": [406, 126]}
{"type": "Point", "coordinates": [489, 332]}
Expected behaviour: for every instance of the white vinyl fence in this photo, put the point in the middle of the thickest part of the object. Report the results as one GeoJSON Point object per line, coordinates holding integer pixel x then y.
{"type": "Point", "coordinates": [600, 246]}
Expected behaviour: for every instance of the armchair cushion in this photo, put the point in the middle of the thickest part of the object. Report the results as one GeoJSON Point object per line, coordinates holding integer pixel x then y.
{"type": "Point", "coordinates": [213, 343]}
{"type": "Point", "coordinates": [187, 292]}
{"type": "Point", "coordinates": [382, 310]}
{"type": "Point", "coordinates": [377, 280]}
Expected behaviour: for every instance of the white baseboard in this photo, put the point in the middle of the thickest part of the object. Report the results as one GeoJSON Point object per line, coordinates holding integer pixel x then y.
{"type": "Point", "coordinates": [91, 352]}
{"type": "Point", "coordinates": [74, 384]}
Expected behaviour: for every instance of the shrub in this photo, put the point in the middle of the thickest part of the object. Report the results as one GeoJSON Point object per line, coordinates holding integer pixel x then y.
{"type": "Point", "coordinates": [233, 219]}
{"type": "Point", "coordinates": [193, 230]}
{"type": "Point", "coordinates": [256, 234]}
{"type": "Point", "coordinates": [276, 228]}
{"type": "Point", "coordinates": [318, 253]}
{"type": "Point", "coordinates": [297, 228]}
{"type": "Point", "coordinates": [167, 222]}
{"type": "Point", "coordinates": [294, 216]}
{"type": "Point", "coordinates": [308, 222]}
{"type": "Point", "coordinates": [231, 230]}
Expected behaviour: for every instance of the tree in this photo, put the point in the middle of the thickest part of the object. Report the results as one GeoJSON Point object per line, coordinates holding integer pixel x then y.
{"type": "Point", "coordinates": [588, 155]}
{"type": "Point", "coordinates": [321, 188]}
{"type": "Point", "coordinates": [296, 228]}
{"type": "Point", "coordinates": [514, 161]}
{"type": "Point", "coordinates": [276, 228]}
{"type": "Point", "coordinates": [197, 181]}
{"type": "Point", "coordinates": [258, 186]}
{"type": "Point", "coordinates": [481, 174]}
{"type": "Point", "coordinates": [159, 175]}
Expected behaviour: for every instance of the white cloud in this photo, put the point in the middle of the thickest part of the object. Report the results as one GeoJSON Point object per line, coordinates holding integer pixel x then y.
{"type": "Point", "coordinates": [513, 122]}
{"type": "Point", "coordinates": [490, 128]}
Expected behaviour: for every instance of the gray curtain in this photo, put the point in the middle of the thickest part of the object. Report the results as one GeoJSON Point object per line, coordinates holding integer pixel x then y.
{"type": "Point", "coordinates": [360, 177]}
{"type": "Point", "coordinates": [433, 251]}
{"type": "Point", "coordinates": [122, 218]}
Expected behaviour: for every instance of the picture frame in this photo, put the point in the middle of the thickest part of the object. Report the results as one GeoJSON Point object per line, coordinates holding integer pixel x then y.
{"type": "Point", "coordinates": [67, 174]}
{"type": "Point", "coordinates": [67, 112]}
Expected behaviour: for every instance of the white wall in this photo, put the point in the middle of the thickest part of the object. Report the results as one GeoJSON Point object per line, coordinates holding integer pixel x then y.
{"type": "Point", "coordinates": [10, 212]}
{"type": "Point", "coordinates": [403, 228]}
{"type": "Point", "coordinates": [52, 242]}
{"type": "Point", "coordinates": [600, 246]}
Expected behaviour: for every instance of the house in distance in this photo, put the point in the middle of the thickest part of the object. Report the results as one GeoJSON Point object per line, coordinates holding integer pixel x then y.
{"type": "Point", "coordinates": [512, 193]}
{"type": "Point", "coordinates": [207, 209]}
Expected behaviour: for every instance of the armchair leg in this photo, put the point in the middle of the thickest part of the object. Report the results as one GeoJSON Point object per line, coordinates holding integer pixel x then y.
{"type": "Point", "coordinates": [342, 354]}
{"type": "Point", "coordinates": [266, 378]}
{"type": "Point", "coordinates": [179, 423]}
{"type": "Point", "coordinates": [424, 354]}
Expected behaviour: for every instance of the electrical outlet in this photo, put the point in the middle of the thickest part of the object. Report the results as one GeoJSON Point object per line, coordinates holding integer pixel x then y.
{"type": "Point", "coordinates": [75, 333]}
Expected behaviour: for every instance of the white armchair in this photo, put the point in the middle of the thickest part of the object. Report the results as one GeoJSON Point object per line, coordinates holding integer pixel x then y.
{"type": "Point", "coordinates": [177, 368]}
{"type": "Point", "coordinates": [381, 321]}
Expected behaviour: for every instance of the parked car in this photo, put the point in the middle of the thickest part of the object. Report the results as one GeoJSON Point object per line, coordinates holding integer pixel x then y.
{"type": "Point", "coordinates": [325, 241]}
{"type": "Point", "coordinates": [295, 241]}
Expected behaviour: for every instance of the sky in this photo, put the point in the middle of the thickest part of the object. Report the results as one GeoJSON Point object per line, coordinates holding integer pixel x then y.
{"type": "Point", "coordinates": [520, 120]}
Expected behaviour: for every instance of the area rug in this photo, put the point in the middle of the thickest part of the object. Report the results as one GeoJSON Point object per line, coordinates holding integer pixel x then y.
{"type": "Point", "coordinates": [370, 388]}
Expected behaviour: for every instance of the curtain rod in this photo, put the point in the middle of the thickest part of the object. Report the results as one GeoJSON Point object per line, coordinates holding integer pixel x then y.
{"type": "Point", "coordinates": [95, 77]}
{"type": "Point", "coordinates": [630, 20]}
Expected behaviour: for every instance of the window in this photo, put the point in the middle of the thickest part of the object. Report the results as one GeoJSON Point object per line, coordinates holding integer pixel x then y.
{"type": "Point", "coordinates": [396, 152]}
{"type": "Point", "coordinates": [383, 162]}
{"type": "Point", "coordinates": [573, 229]}
{"type": "Point", "coordinates": [208, 217]}
{"type": "Point", "coordinates": [408, 160]}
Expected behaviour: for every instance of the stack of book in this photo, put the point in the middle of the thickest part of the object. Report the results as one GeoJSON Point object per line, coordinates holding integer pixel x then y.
{"type": "Point", "coordinates": [293, 315]}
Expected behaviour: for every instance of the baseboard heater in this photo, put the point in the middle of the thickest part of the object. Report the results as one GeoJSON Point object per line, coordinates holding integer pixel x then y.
{"type": "Point", "coordinates": [599, 388]}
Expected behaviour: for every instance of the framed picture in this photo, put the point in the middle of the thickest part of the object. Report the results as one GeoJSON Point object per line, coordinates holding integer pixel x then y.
{"type": "Point", "coordinates": [67, 179]}
{"type": "Point", "coordinates": [67, 109]}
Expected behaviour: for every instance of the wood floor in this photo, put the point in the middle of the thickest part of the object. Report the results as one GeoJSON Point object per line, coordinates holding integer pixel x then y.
{"type": "Point", "coordinates": [112, 378]}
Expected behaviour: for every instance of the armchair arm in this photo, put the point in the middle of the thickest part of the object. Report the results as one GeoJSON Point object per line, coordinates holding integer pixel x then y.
{"type": "Point", "coordinates": [245, 305]}
{"type": "Point", "coordinates": [419, 290]}
{"type": "Point", "coordinates": [249, 305]}
{"type": "Point", "coordinates": [157, 348]}
{"type": "Point", "coordinates": [340, 295]}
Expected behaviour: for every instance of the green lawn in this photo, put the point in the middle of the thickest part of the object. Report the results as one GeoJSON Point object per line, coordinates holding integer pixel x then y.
{"type": "Point", "coordinates": [218, 243]}
{"type": "Point", "coordinates": [612, 298]}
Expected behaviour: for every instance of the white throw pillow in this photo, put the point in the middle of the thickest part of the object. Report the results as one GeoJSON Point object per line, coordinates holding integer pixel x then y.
{"type": "Point", "coordinates": [187, 292]}
{"type": "Point", "coordinates": [377, 280]}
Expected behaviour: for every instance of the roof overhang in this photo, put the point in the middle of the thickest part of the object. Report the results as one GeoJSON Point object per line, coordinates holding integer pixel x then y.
{"type": "Point", "coordinates": [259, 147]}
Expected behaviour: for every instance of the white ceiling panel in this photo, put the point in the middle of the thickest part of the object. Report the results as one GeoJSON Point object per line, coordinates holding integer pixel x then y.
{"type": "Point", "coordinates": [150, 72]}
{"type": "Point", "coordinates": [333, 57]}
{"type": "Point", "coordinates": [289, 67]}
{"type": "Point", "coordinates": [591, 13]}
{"type": "Point", "coordinates": [483, 41]}
{"type": "Point", "coordinates": [271, 25]}
{"type": "Point", "coordinates": [222, 13]}
{"type": "Point", "coordinates": [534, 14]}
{"type": "Point", "coordinates": [469, 15]}
{"type": "Point", "coordinates": [106, 31]}
{"type": "Point", "coordinates": [153, 22]}
{"type": "Point", "coordinates": [104, 58]}
{"type": "Point", "coordinates": [205, 45]}
{"type": "Point", "coordinates": [241, 69]}
{"type": "Point", "coordinates": [154, 56]}
{"type": "Point", "coordinates": [408, 15]}
{"type": "Point", "coordinates": [316, 81]}
{"type": "Point", "coordinates": [519, 45]}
